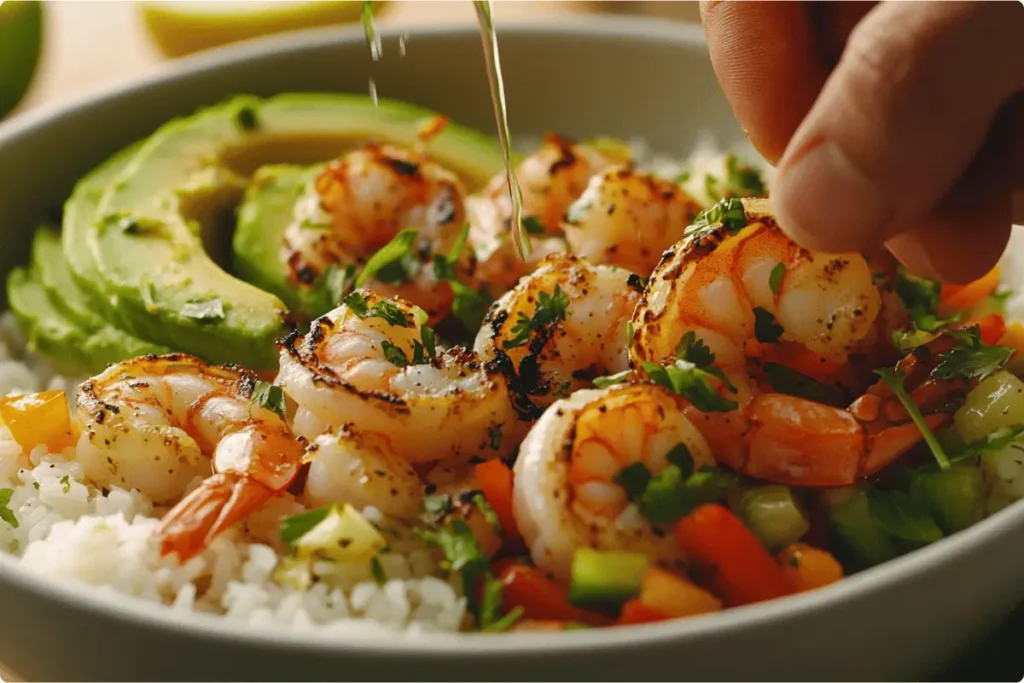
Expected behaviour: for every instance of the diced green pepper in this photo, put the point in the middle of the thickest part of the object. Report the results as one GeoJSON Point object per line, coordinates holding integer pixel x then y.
{"type": "Point", "coordinates": [605, 577]}
{"type": "Point", "coordinates": [772, 513]}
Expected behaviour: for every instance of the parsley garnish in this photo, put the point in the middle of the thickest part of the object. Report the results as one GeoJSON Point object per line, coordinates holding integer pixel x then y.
{"type": "Point", "coordinates": [335, 282]}
{"type": "Point", "coordinates": [6, 513]}
{"type": "Point", "coordinates": [295, 527]}
{"type": "Point", "coordinates": [461, 551]}
{"type": "Point", "coordinates": [727, 212]}
{"type": "Point", "coordinates": [634, 477]}
{"type": "Point", "coordinates": [921, 299]}
{"type": "Point", "coordinates": [683, 176]}
{"type": "Point", "coordinates": [990, 443]}
{"type": "Point", "coordinates": [245, 117]}
{"type": "Point", "coordinates": [902, 516]}
{"type": "Point", "coordinates": [532, 225]}
{"type": "Point", "coordinates": [487, 511]}
{"type": "Point", "coordinates": [743, 180]}
{"type": "Point", "coordinates": [391, 254]}
{"type": "Point", "coordinates": [469, 305]}
{"type": "Point", "coordinates": [785, 380]}
{"type": "Point", "coordinates": [65, 483]}
{"type": "Point", "coordinates": [894, 380]}
{"type": "Point", "coordinates": [436, 506]}
{"type": "Point", "coordinates": [690, 382]}
{"type": "Point", "coordinates": [668, 496]}
{"type": "Point", "coordinates": [550, 309]}
{"type": "Point", "coordinates": [694, 350]}
{"type": "Point", "coordinates": [444, 266]}
{"type": "Point", "coordinates": [203, 309]}
{"type": "Point", "coordinates": [908, 340]}
{"type": "Point", "coordinates": [378, 572]}
{"type": "Point", "coordinates": [972, 358]}
{"type": "Point", "coordinates": [767, 329]}
{"type": "Point", "coordinates": [775, 278]}
{"type": "Point", "coordinates": [611, 380]}
{"type": "Point", "coordinates": [269, 396]}
{"type": "Point", "coordinates": [394, 354]}
{"type": "Point", "coordinates": [386, 310]}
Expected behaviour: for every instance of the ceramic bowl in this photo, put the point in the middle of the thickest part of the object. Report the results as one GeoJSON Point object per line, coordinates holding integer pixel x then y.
{"type": "Point", "coordinates": [618, 77]}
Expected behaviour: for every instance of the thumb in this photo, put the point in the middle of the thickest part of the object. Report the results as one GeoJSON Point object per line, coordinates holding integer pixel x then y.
{"type": "Point", "coordinates": [899, 121]}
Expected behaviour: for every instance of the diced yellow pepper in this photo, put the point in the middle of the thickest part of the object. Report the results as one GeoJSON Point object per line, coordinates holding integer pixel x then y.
{"type": "Point", "coordinates": [1014, 338]}
{"type": "Point", "coordinates": [35, 419]}
{"type": "Point", "coordinates": [343, 535]}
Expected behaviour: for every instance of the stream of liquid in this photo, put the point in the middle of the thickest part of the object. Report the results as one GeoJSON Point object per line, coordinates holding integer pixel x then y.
{"type": "Point", "coordinates": [497, 87]}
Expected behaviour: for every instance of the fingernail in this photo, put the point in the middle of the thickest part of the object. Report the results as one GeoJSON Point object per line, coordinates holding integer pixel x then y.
{"type": "Point", "coordinates": [823, 202]}
{"type": "Point", "coordinates": [914, 256]}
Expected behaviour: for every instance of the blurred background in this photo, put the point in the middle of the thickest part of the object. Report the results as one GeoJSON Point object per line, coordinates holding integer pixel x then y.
{"type": "Point", "coordinates": [54, 51]}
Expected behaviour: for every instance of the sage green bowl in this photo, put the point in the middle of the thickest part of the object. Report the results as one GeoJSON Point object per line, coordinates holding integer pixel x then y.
{"type": "Point", "coordinates": [903, 620]}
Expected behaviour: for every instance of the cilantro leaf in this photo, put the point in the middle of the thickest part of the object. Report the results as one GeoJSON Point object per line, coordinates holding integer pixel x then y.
{"type": "Point", "coordinates": [490, 619]}
{"type": "Point", "coordinates": [533, 226]}
{"type": "Point", "coordinates": [394, 354]}
{"type": "Point", "coordinates": [767, 329]}
{"type": "Point", "coordinates": [377, 571]}
{"type": "Point", "coordinates": [444, 266]}
{"type": "Point", "coordinates": [634, 478]}
{"type": "Point", "coordinates": [6, 513]}
{"type": "Point", "coordinates": [459, 545]}
{"type": "Point", "coordinates": [681, 458]}
{"type": "Point", "coordinates": [295, 527]}
{"type": "Point", "coordinates": [972, 358]}
{"type": "Point", "coordinates": [334, 282]}
{"type": "Point", "coordinates": [728, 212]}
{"type": "Point", "coordinates": [268, 396]}
{"type": "Point", "coordinates": [65, 483]}
{"type": "Point", "coordinates": [690, 382]}
{"type": "Point", "coordinates": [469, 305]}
{"type": "Point", "coordinates": [785, 380]}
{"type": "Point", "coordinates": [894, 380]}
{"type": "Point", "coordinates": [487, 511]}
{"type": "Point", "coordinates": [902, 516]}
{"type": "Point", "coordinates": [743, 180]}
{"type": "Point", "coordinates": [550, 309]}
{"type": "Point", "coordinates": [775, 278]}
{"type": "Point", "coordinates": [391, 253]}
{"type": "Point", "coordinates": [695, 351]}
{"type": "Point", "coordinates": [436, 506]}
{"type": "Point", "coordinates": [386, 310]}
{"type": "Point", "coordinates": [245, 118]}
{"type": "Point", "coordinates": [921, 299]}
{"type": "Point", "coordinates": [906, 341]}
{"type": "Point", "coordinates": [990, 443]}
{"type": "Point", "coordinates": [664, 500]}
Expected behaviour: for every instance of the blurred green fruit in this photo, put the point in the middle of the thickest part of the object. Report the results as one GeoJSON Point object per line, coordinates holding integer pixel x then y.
{"type": "Point", "coordinates": [21, 39]}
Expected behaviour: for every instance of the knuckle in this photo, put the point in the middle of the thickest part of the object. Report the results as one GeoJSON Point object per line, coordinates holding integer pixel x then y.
{"type": "Point", "coordinates": [879, 60]}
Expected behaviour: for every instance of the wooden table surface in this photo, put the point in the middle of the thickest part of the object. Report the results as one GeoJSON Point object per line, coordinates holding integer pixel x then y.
{"type": "Point", "coordinates": [93, 44]}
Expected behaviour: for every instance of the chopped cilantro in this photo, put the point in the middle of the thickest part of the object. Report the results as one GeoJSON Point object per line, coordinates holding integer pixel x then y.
{"type": "Point", "coordinates": [681, 458]}
{"type": "Point", "coordinates": [694, 350]}
{"type": "Point", "coordinates": [611, 380]}
{"type": "Point", "coordinates": [550, 309]}
{"type": "Point", "coordinates": [203, 309]}
{"type": "Point", "coordinates": [902, 516]}
{"type": "Point", "coordinates": [711, 186]}
{"type": "Point", "coordinates": [727, 212]}
{"type": "Point", "coordinates": [269, 396]}
{"type": "Point", "coordinates": [490, 619]}
{"type": "Point", "coordinates": [444, 265]}
{"type": "Point", "coordinates": [532, 225]}
{"type": "Point", "coordinates": [972, 358]}
{"type": "Point", "coordinates": [690, 382]}
{"type": "Point", "coordinates": [394, 354]}
{"type": "Point", "coordinates": [908, 340]}
{"type": "Point", "coordinates": [391, 253]}
{"type": "Point", "coordinates": [990, 443]}
{"type": "Point", "coordinates": [775, 278]}
{"type": "Point", "coordinates": [487, 511]}
{"type": "Point", "coordinates": [683, 176]}
{"type": "Point", "coordinates": [65, 483]}
{"type": "Point", "coordinates": [436, 506]}
{"type": "Point", "coordinates": [245, 117]}
{"type": "Point", "coordinates": [743, 180]}
{"type": "Point", "coordinates": [469, 305]}
{"type": "Point", "coordinates": [785, 380]}
{"type": "Point", "coordinates": [767, 329]}
{"type": "Point", "coordinates": [295, 527]}
{"type": "Point", "coordinates": [461, 551]}
{"type": "Point", "coordinates": [894, 380]}
{"type": "Point", "coordinates": [377, 571]}
{"type": "Point", "coordinates": [6, 513]}
{"type": "Point", "coordinates": [634, 478]}
{"type": "Point", "coordinates": [386, 310]}
{"type": "Point", "coordinates": [921, 299]}
{"type": "Point", "coordinates": [335, 281]}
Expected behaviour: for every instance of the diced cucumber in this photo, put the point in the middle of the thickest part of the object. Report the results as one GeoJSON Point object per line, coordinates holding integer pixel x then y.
{"type": "Point", "coordinates": [955, 496]}
{"type": "Point", "coordinates": [851, 520]}
{"type": "Point", "coordinates": [772, 513]}
{"type": "Point", "coordinates": [605, 577]}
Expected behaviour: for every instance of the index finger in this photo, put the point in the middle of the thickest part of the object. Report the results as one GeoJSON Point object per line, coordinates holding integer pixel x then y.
{"type": "Point", "coordinates": [767, 60]}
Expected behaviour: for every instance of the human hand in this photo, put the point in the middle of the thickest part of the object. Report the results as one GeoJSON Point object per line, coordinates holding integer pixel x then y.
{"type": "Point", "coordinates": [894, 122]}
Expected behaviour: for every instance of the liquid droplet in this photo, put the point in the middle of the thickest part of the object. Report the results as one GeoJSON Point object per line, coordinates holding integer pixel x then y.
{"type": "Point", "coordinates": [401, 44]}
{"type": "Point", "coordinates": [373, 91]}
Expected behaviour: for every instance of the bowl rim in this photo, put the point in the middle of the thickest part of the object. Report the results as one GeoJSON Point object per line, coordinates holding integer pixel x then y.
{"type": "Point", "coordinates": [995, 529]}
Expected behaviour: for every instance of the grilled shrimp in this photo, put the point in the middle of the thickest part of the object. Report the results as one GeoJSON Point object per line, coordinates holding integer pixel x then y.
{"type": "Point", "coordinates": [753, 297]}
{"type": "Point", "coordinates": [360, 202]}
{"type": "Point", "coordinates": [155, 423]}
{"type": "Point", "coordinates": [717, 281]}
{"type": "Point", "coordinates": [550, 179]}
{"type": "Point", "coordinates": [361, 468]}
{"type": "Point", "coordinates": [562, 326]}
{"type": "Point", "coordinates": [370, 362]}
{"type": "Point", "coordinates": [627, 218]}
{"type": "Point", "coordinates": [565, 496]}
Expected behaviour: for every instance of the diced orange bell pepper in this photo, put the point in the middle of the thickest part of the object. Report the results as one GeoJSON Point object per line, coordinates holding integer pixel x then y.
{"type": "Point", "coordinates": [807, 567]}
{"type": "Point", "coordinates": [991, 328]}
{"type": "Point", "coordinates": [965, 297]}
{"type": "Point", "coordinates": [496, 481]}
{"type": "Point", "coordinates": [675, 595]}
{"type": "Point", "coordinates": [39, 419]}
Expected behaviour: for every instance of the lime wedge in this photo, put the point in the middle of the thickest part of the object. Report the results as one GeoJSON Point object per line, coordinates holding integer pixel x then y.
{"type": "Point", "coordinates": [21, 38]}
{"type": "Point", "coordinates": [182, 27]}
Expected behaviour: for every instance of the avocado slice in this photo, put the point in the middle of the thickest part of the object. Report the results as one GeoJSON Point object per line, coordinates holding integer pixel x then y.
{"type": "Point", "coordinates": [148, 242]}
{"type": "Point", "coordinates": [264, 215]}
{"type": "Point", "coordinates": [103, 343]}
{"type": "Point", "coordinates": [47, 331]}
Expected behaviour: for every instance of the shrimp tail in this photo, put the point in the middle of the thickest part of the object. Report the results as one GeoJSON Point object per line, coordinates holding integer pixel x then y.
{"type": "Point", "coordinates": [216, 505]}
